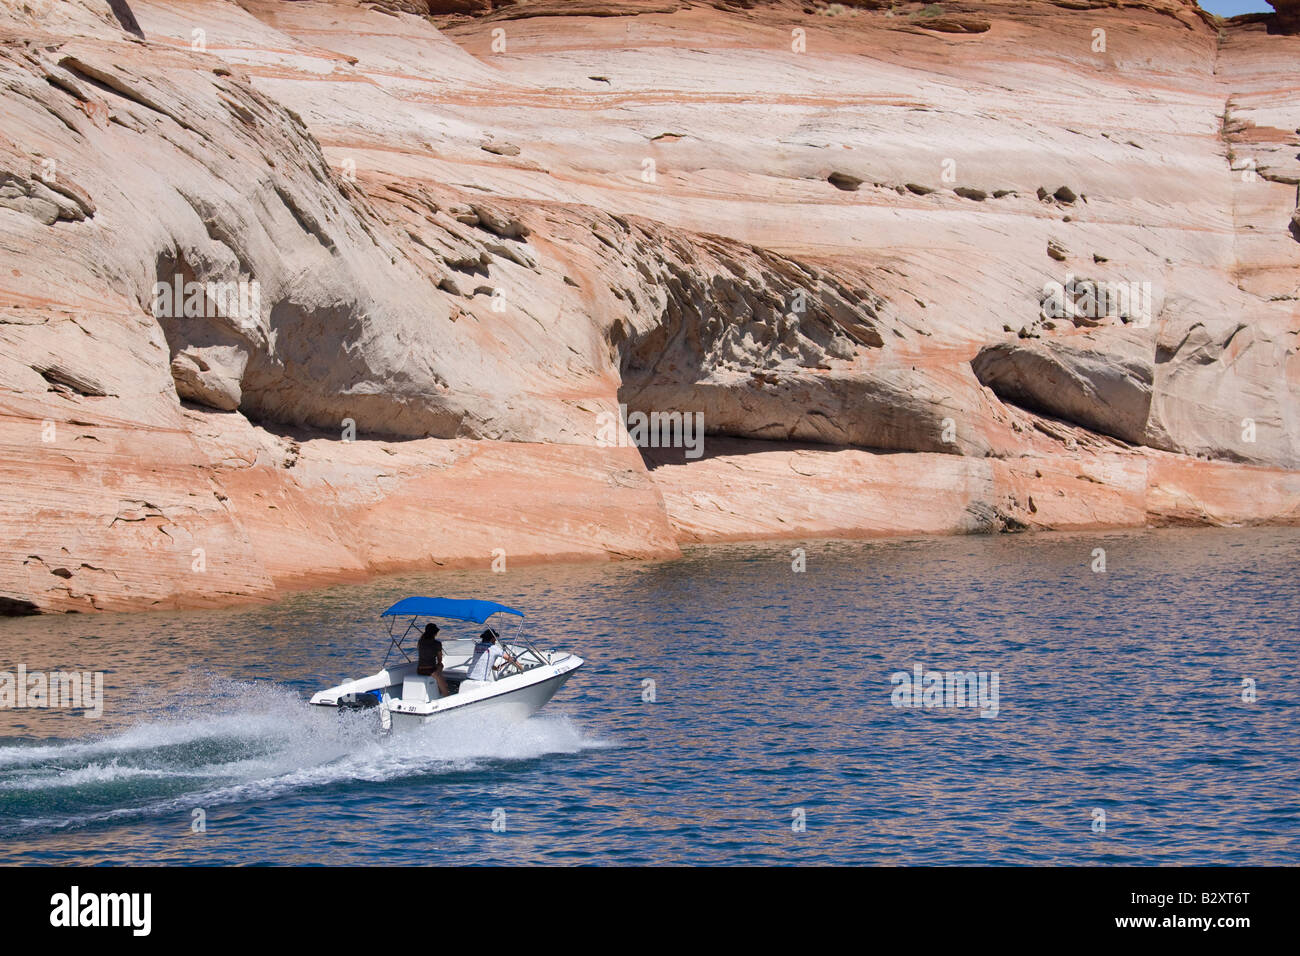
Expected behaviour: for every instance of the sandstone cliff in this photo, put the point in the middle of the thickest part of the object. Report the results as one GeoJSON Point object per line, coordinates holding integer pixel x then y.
{"type": "Point", "coordinates": [297, 291]}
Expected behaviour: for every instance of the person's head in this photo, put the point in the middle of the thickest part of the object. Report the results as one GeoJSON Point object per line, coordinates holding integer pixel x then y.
{"type": "Point", "coordinates": [431, 630]}
{"type": "Point", "coordinates": [488, 637]}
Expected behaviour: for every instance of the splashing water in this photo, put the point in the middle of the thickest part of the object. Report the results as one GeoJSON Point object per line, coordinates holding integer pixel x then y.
{"type": "Point", "coordinates": [245, 742]}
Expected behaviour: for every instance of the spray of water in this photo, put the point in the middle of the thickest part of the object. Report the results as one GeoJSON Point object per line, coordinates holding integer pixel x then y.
{"type": "Point", "coordinates": [246, 742]}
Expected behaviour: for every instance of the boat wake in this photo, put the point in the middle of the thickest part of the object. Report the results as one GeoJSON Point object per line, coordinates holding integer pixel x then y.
{"type": "Point", "coordinates": [247, 743]}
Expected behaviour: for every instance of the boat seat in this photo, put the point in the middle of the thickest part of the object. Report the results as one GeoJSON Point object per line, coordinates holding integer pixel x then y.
{"type": "Point", "coordinates": [419, 690]}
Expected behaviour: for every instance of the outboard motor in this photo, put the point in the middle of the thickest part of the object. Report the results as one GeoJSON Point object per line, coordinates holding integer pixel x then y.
{"type": "Point", "coordinates": [367, 701]}
{"type": "Point", "coordinates": [363, 700]}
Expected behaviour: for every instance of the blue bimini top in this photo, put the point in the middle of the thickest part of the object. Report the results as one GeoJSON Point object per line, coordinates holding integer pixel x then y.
{"type": "Point", "coordinates": [456, 610]}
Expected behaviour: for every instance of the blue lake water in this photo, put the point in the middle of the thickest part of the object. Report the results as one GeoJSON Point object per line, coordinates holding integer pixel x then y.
{"type": "Point", "coordinates": [771, 737]}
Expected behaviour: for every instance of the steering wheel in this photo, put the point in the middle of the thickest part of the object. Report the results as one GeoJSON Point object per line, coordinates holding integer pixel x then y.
{"type": "Point", "coordinates": [518, 667]}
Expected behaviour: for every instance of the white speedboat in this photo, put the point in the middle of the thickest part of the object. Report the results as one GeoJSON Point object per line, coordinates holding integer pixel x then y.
{"type": "Point", "coordinates": [524, 681]}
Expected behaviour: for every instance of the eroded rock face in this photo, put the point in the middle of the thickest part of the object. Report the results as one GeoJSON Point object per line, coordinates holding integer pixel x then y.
{"type": "Point", "coordinates": [198, 379]}
{"type": "Point", "coordinates": [290, 285]}
{"type": "Point", "coordinates": [1100, 381]}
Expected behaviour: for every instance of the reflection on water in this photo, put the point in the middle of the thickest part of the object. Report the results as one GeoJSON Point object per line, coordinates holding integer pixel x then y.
{"type": "Point", "coordinates": [1119, 692]}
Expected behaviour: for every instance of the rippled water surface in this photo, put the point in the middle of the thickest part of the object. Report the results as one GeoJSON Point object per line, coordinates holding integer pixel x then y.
{"type": "Point", "coordinates": [1119, 692]}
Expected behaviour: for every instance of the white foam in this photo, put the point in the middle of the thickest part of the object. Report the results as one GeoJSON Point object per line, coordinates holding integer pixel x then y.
{"type": "Point", "coordinates": [257, 742]}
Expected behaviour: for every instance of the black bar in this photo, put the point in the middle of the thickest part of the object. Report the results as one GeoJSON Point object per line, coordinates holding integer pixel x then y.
{"type": "Point", "coordinates": [326, 907]}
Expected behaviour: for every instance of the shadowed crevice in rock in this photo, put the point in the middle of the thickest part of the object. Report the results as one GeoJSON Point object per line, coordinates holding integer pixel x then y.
{"type": "Point", "coordinates": [718, 446]}
{"type": "Point", "coordinates": [125, 17]}
{"type": "Point", "coordinates": [17, 607]}
{"type": "Point", "coordinates": [66, 378]}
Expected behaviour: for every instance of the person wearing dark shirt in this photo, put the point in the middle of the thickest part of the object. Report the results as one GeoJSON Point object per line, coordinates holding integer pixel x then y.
{"type": "Point", "coordinates": [430, 660]}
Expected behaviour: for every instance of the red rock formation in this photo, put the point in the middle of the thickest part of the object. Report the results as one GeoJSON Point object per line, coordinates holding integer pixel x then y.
{"type": "Point", "coordinates": [1288, 15]}
{"type": "Point", "coordinates": [422, 248]}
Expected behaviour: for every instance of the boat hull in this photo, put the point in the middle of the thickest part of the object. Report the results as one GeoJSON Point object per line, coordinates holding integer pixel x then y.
{"type": "Point", "coordinates": [512, 706]}
{"type": "Point", "coordinates": [507, 700]}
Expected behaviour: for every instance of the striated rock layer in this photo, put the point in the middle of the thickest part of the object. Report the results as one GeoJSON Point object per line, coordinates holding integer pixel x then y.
{"type": "Point", "coordinates": [299, 291]}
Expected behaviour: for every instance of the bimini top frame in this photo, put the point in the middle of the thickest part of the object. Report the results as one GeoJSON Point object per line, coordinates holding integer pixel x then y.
{"type": "Point", "coordinates": [476, 612]}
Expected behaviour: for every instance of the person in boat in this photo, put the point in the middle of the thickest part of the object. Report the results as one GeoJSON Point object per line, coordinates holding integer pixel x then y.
{"type": "Point", "coordinates": [487, 654]}
{"type": "Point", "coordinates": [430, 659]}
